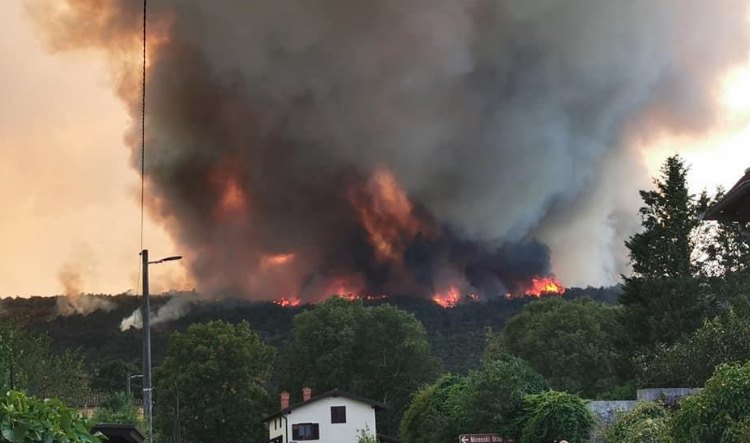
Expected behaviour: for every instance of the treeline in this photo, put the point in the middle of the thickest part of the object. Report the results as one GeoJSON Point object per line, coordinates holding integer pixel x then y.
{"type": "Point", "coordinates": [456, 335]}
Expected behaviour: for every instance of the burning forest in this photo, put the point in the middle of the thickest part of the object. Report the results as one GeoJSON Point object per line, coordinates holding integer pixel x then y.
{"type": "Point", "coordinates": [298, 149]}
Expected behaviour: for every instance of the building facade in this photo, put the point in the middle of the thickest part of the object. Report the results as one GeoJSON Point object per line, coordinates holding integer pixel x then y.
{"type": "Point", "coordinates": [332, 417]}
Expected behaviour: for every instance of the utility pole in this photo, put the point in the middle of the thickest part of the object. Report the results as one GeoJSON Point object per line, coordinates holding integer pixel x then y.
{"type": "Point", "coordinates": [148, 405]}
{"type": "Point", "coordinates": [146, 320]}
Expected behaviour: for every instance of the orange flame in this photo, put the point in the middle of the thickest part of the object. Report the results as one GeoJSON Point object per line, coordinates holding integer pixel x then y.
{"type": "Point", "coordinates": [387, 215]}
{"type": "Point", "coordinates": [541, 286]}
{"type": "Point", "coordinates": [349, 289]}
{"type": "Point", "coordinates": [287, 302]}
{"type": "Point", "coordinates": [447, 299]}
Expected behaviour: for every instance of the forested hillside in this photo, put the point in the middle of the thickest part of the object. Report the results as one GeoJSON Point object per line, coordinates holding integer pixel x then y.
{"type": "Point", "coordinates": [457, 335]}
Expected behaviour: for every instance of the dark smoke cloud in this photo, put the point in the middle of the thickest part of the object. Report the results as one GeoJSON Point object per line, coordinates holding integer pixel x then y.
{"type": "Point", "coordinates": [503, 121]}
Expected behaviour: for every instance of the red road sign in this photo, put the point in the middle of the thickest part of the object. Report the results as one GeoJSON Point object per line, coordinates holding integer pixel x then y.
{"type": "Point", "coordinates": [483, 438]}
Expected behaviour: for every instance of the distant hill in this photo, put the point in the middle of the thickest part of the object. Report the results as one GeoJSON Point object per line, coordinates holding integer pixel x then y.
{"type": "Point", "coordinates": [457, 334]}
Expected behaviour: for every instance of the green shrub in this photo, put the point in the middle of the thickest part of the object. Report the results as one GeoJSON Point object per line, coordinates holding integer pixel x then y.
{"type": "Point", "coordinates": [553, 415]}
{"type": "Point", "coordinates": [720, 412]}
{"type": "Point", "coordinates": [487, 400]}
{"type": "Point", "coordinates": [25, 419]}
{"type": "Point", "coordinates": [647, 423]}
{"type": "Point", "coordinates": [118, 408]}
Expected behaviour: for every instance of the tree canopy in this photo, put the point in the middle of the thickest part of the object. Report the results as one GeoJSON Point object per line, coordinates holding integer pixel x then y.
{"type": "Point", "coordinates": [691, 361]}
{"type": "Point", "coordinates": [648, 422]}
{"type": "Point", "coordinates": [379, 352]}
{"type": "Point", "coordinates": [663, 299]}
{"type": "Point", "coordinates": [720, 412]}
{"type": "Point", "coordinates": [575, 345]}
{"type": "Point", "coordinates": [27, 362]}
{"type": "Point", "coordinates": [489, 399]}
{"type": "Point", "coordinates": [210, 386]}
{"type": "Point", "coordinates": [664, 248]}
{"type": "Point", "coordinates": [554, 416]}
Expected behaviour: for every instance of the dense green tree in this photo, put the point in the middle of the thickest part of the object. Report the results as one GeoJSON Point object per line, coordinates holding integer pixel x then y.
{"type": "Point", "coordinates": [495, 395]}
{"type": "Point", "coordinates": [665, 311]}
{"type": "Point", "coordinates": [24, 419]}
{"type": "Point", "coordinates": [378, 352]}
{"type": "Point", "coordinates": [664, 248]}
{"type": "Point", "coordinates": [663, 299]}
{"type": "Point", "coordinates": [575, 345]}
{"type": "Point", "coordinates": [553, 416]}
{"type": "Point", "coordinates": [648, 422]}
{"type": "Point", "coordinates": [720, 412]}
{"type": "Point", "coordinates": [691, 361]}
{"type": "Point", "coordinates": [487, 400]}
{"type": "Point", "coordinates": [726, 250]}
{"type": "Point", "coordinates": [436, 411]}
{"type": "Point", "coordinates": [27, 362]}
{"type": "Point", "coordinates": [210, 386]}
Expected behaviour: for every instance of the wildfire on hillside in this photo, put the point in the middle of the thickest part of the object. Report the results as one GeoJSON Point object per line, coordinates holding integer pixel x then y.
{"type": "Point", "coordinates": [287, 302]}
{"type": "Point", "coordinates": [541, 286]}
{"type": "Point", "coordinates": [447, 299]}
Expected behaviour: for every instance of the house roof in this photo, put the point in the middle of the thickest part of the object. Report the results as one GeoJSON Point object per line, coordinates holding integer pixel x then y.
{"type": "Point", "coordinates": [331, 393]}
{"type": "Point", "coordinates": [735, 205]}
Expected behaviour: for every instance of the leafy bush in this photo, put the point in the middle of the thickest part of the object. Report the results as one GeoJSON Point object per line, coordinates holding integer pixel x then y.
{"type": "Point", "coordinates": [432, 414]}
{"type": "Point", "coordinates": [720, 412]}
{"type": "Point", "coordinates": [647, 423]}
{"type": "Point", "coordinates": [118, 408]}
{"type": "Point", "coordinates": [496, 394]}
{"type": "Point", "coordinates": [552, 416]}
{"type": "Point", "coordinates": [692, 361]}
{"type": "Point", "coordinates": [487, 400]}
{"type": "Point", "coordinates": [25, 419]}
{"type": "Point", "coordinates": [366, 436]}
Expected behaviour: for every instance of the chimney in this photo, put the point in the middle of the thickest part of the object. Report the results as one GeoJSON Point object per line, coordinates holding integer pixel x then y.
{"type": "Point", "coordinates": [284, 400]}
{"type": "Point", "coordinates": [306, 394]}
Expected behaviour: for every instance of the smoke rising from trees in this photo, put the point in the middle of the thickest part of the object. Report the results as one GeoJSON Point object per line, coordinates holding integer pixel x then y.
{"type": "Point", "coordinates": [505, 123]}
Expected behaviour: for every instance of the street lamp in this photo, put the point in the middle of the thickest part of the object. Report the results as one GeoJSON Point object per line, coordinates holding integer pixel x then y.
{"type": "Point", "coordinates": [131, 377]}
{"type": "Point", "coordinates": [146, 318]}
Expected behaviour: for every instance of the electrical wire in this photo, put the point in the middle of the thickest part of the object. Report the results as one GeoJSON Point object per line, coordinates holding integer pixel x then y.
{"type": "Point", "coordinates": [143, 136]}
{"type": "Point", "coordinates": [143, 119]}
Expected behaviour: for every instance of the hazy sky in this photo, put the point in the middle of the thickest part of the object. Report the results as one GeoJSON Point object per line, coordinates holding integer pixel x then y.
{"type": "Point", "coordinates": [70, 198]}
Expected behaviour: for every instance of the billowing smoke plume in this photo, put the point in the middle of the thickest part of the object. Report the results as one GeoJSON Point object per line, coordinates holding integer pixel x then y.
{"type": "Point", "coordinates": [304, 147]}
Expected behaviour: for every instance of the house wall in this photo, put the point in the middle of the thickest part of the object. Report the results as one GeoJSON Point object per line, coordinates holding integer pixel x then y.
{"type": "Point", "coordinates": [276, 429]}
{"type": "Point", "coordinates": [359, 416]}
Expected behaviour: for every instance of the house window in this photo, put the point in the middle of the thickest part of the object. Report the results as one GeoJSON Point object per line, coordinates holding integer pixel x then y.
{"type": "Point", "coordinates": [305, 431]}
{"type": "Point", "coordinates": [338, 414]}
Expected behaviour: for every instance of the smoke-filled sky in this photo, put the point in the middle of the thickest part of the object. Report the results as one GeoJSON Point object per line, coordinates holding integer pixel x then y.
{"type": "Point", "coordinates": [279, 129]}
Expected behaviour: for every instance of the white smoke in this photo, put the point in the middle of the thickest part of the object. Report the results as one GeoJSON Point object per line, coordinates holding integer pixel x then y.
{"type": "Point", "coordinates": [175, 308]}
{"type": "Point", "coordinates": [74, 301]}
{"type": "Point", "coordinates": [83, 304]}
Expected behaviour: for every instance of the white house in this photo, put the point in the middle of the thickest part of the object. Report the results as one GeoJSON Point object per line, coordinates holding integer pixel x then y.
{"type": "Point", "coordinates": [332, 417]}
